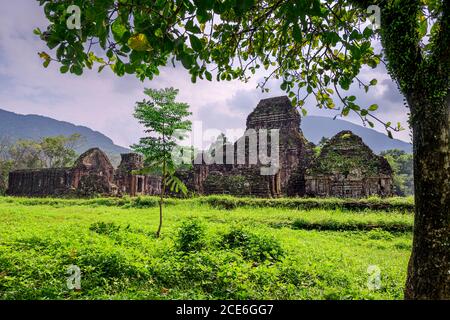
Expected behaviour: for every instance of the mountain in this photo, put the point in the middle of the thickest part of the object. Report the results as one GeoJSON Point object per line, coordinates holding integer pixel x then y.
{"type": "Point", "coordinates": [315, 127]}
{"type": "Point", "coordinates": [16, 126]}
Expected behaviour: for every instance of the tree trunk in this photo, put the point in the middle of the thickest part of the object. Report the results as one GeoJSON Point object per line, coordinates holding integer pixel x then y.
{"type": "Point", "coordinates": [429, 265]}
{"type": "Point", "coordinates": [161, 200]}
{"type": "Point", "coordinates": [161, 204]}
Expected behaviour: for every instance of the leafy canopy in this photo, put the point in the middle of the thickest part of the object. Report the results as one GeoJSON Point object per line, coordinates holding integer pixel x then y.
{"type": "Point", "coordinates": [163, 119]}
{"type": "Point", "coordinates": [49, 152]}
{"type": "Point", "coordinates": [317, 48]}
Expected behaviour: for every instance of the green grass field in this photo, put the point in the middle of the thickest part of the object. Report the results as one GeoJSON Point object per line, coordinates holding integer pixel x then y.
{"type": "Point", "coordinates": [207, 251]}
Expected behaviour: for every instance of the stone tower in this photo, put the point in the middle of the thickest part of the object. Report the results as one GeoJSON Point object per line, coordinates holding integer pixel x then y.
{"type": "Point", "coordinates": [245, 178]}
{"type": "Point", "coordinates": [279, 113]}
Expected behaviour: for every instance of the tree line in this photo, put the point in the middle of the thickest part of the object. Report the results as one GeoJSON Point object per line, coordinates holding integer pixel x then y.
{"type": "Point", "coordinates": [47, 152]}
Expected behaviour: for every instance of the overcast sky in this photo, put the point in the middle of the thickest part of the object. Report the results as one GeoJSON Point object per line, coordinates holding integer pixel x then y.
{"type": "Point", "coordinates": [105, 102]}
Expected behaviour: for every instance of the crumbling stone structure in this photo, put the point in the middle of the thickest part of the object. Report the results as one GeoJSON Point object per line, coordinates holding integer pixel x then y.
{"type": "Point", "coordinates": [129, 182]}
{"type": "Point", "coordinates": [346, 167]}
{"type": "Point", "coordinates": [244, 177]}
{"type": "Point", "coordinates": [91, 174]}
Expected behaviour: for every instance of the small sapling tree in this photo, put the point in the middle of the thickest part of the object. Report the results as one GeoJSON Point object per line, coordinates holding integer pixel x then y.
{"type": "Point", "coordinates": [163, 118]}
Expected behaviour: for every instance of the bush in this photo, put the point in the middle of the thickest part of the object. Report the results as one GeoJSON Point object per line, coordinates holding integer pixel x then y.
{"type": "Point", "coordinates": [191, 236]}
{"type": "Point", "coordinates": [236, 238]}
{"type": "Point", "coordinates": [107, 228]}
{"type": "Point", "coordinates": [254, 247]}
{"type": "Point", "coordinates": [379, 234]}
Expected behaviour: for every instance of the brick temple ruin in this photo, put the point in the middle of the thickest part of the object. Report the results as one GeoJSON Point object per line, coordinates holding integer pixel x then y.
{"type": "Point", "coordinates": [92, 174]}
{"type": "Point", "coordinates": [343, 167]}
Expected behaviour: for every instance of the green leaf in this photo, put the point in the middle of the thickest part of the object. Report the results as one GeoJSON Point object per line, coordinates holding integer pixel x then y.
{"type": "Point", "coordinates": [353, 106]}
{"type": "Point", "coordinates": [344, 82]}
{"type": "Point", "coordinates": [367, 33]}
{"type": "Point", "coordinates": [304, 112]}
{"type": "Point", "coordinates": [64, 69]}
{"type": "Point", "coordinates": [196, 43]}
{"type": "Point", "coordinates": [191, 27]}
{"type": "Point", "coordinates": [373, 107]}
{"type": "Point", "coordinates": [244, 5]}
{"type": "Point", "coordinates": [186, 60]}
{"type": "Point", "coordinates": [139, 42]}
{"type": "Point", "coordinates": [118, 30]}
{"type": "Point", "coordinates": [76, 69]}
{"type": "Point", "coordinates": [203, 16]}
{"type": "Point", "coordinates": [159, 33]}
{"type": "Point", "coordinates": [423, 28]}
{"type": "Point", "coordinates": [345, 111]}
{"type": "Point", "coordinates": [354, 35]}
{"type": "Point", "coordinates": [297, 33]}
{"type": "Point", "coordinates": [208, 76]}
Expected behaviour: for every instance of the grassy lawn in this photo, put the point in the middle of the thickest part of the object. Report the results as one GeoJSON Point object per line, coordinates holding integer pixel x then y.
{"type": "Point", "coordinates": [277, 253]}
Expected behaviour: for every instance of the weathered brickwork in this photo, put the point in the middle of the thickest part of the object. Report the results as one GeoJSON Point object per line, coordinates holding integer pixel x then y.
{"type": "Point", "coordinates": [92, 174]}
{"type": "Point", "coordinates": [344, 167]}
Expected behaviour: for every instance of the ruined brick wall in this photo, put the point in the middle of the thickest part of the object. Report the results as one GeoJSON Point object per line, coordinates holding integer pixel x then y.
{"type": "Point", "coordinates": [124, 179]}
{"type": "Point", "coordinates": [42, 182]}
{"type": "Point", "coordinates": [279, 113]}
{"type": "Point", "coordinates": [135, 184]}
{"type": "Point", "coordinates": [92, 174]}
{"type": "Point", "coordinates": [274, 113]}
{"type": "Point", "coordinates": [346, 167]}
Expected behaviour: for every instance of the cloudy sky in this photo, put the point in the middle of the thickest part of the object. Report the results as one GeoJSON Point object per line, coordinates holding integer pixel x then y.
{"type": "Point", "coordinates": [105, 102]}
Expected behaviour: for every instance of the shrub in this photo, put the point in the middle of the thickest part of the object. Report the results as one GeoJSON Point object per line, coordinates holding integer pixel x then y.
{"type": "Point", "coordinates": [107, 228]}
{"type": "Point", "coordinates": [254, 247]}
{"type": "Point", "coordinates": [235, 238]}
{"type": "Point", "coordinates": [261, 248]}
{"type": "Point", "coordinates": [191, 236]}
{"type": "Point", "coordinates": [378, 234]}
